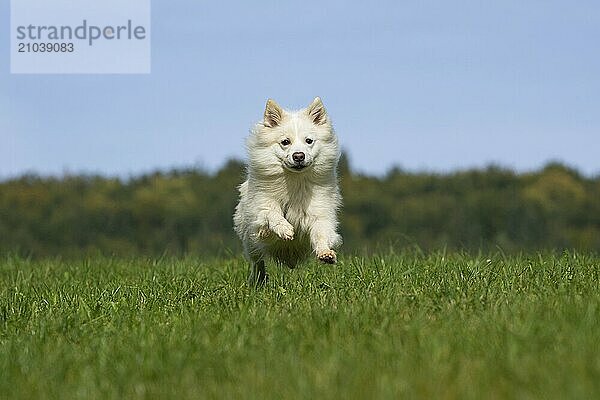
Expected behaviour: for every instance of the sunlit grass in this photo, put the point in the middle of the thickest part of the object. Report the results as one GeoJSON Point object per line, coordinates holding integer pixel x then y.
{"type": "Point", "coordinates": [394, 326]}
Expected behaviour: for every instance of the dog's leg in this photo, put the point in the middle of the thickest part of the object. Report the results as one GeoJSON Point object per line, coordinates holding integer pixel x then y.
{"type": "Point", "coordinates": [258, 275]}
{"type": "Point", "coordinates": [324, 238]}
{"type": "Point", "coordinates": [271, 219]}
{"type": "Point", "coordinates": [281, 227]}
{"type": "Point", "coordinates": [321, 222]}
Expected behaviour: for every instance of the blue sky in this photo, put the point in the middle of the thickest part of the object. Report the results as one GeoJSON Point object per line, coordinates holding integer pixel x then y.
{"type": "Point", "coordinates": [419, 84]}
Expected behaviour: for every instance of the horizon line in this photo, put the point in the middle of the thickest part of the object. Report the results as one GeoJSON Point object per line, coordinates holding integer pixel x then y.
{"type": "Point", "coordinates": [198, 167]}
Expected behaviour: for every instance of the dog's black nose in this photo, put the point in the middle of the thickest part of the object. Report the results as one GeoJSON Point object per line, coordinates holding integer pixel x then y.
{"type": "Point", "coordinates": [298, 156]}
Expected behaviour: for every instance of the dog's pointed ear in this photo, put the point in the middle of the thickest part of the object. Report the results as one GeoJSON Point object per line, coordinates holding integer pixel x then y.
{"type": "Point", "coordinates": [273, 114]}
{"type": "Point", "coordinates": [316, 111]}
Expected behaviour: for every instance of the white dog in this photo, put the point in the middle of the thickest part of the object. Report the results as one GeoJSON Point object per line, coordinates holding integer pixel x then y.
{"type": "Point", "coordinates": [290, 200]}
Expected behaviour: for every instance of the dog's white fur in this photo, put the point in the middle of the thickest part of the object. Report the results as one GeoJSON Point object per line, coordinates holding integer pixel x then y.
{"type": "Point", "coordinates": [288, 207]}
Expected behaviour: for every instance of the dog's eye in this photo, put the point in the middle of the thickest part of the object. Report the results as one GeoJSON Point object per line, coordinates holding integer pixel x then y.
{"type": "Point", "coordinates": [309, 141]}
{"type": "Point", "coordinates": [285, 142]}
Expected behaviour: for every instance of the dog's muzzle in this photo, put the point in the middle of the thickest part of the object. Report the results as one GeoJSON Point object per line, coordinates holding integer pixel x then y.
{"type": "Point", "coordinates": [299, 160]}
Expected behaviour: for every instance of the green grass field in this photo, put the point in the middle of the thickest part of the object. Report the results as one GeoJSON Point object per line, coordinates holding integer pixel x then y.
{"type": "Point", "coordinates": [440, 326]}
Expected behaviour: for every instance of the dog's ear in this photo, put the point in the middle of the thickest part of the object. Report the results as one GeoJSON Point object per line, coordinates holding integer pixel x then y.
{"type": "Point", "coordinates": [273, 114]}
{"type": "Point", "coordinates": [316, 111]}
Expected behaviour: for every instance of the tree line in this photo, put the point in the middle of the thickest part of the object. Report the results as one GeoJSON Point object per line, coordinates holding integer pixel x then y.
{"type": "Point", "coordinates": [189, 211]}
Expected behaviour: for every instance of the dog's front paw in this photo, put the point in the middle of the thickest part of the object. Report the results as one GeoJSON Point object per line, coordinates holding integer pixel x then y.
{"type": "Point", "coordinates": [327, 256]}
{"type": "Point", "coordinates": [284, 230]}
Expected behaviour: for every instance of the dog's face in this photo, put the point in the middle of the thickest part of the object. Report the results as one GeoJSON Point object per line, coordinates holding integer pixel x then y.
{"type": "Point", "coordinates": [296, 141]}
